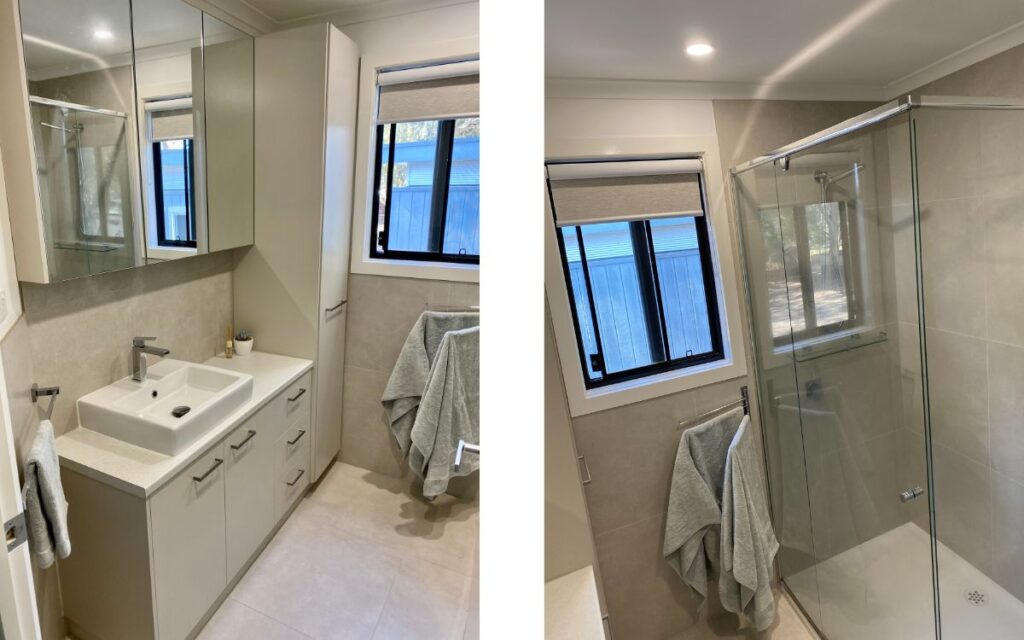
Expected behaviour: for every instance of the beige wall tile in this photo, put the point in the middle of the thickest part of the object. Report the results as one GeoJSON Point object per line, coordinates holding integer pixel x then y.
{"type": "Point", "coordinates": [1001, 267]}
{"type": "Point", "coordinates": [382, 310]}
{"type": "Point", "coordinates": [958, 393]}
{"type": "Point", "coordinates": [963, 507]}
{"type": "Point", "coordinates": [366, 440]}
{"type": "Point", "coordinates": [647, 600]}
{"type": "Point", "coordinates": [954, 257]}
{"type": "Point", "coordinates": [81, 330]}
{"type": "Point", "coordinates": [630, 452]}
{"type": "Point", "coordinates": [1007, 543]}
{"type": "Point", "coordinates": [1006, 411]}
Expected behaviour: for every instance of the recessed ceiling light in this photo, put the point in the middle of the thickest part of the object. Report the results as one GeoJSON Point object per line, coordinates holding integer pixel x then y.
{"type": "Point", "coordinates": [102, 34]}
{"type": "Point", "coordinates": [699, 50]}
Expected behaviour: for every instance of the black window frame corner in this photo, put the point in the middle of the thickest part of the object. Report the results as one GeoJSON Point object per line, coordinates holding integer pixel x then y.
{"type": "Point", "coordinates": [651, 295]}
{"type": "Point", "coordinates": [378, 235]}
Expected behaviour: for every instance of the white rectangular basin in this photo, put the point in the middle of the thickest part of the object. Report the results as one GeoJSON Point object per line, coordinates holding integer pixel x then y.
{"type": "Point", "coordinates": [143, 413]}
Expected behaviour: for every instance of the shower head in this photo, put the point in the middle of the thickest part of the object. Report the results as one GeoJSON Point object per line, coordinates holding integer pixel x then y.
{"type": "Point", "coordinates": [826, 180]}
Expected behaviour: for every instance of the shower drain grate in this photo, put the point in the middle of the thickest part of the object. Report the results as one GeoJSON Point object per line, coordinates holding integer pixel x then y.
{"type": "Point", "coordinates": [975, 597]}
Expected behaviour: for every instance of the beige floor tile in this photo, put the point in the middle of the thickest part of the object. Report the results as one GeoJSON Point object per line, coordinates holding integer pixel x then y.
{"type": "Point", "coordinates": [376, 507]}
{"type": "Point", "coordinates": [235, 621]}
{"type": "Point", "coordinates": [362, 558]}
{"type": "Point", "coordinates": [427, 602]}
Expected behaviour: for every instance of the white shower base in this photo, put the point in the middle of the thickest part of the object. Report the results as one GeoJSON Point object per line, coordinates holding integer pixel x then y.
{"type": "Point", "coordinates": [882, 590]}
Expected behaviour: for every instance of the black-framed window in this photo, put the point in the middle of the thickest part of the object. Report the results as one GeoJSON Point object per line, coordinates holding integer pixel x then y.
{"type": "Point", "coordinates": [174, 192]}
{"type": "Point", "coordinates": [643, 296]}
{"type": "Point", "coordinates": [426, 204]}
{"type": "Point", "coordinates": [813, 287]}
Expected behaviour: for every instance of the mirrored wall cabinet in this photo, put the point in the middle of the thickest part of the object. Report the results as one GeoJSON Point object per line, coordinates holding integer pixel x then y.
{"type": "Point", "coordinates": [127, 127]}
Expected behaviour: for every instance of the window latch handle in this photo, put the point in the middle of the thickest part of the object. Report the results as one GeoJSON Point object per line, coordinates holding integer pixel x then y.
{"type": "Point", "coordinates": [597, 362]}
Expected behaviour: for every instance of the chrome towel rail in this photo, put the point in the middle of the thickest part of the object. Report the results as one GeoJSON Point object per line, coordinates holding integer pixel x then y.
{"type": "Point", "coordinates": [36, 392]}
{"type": "Point", "coordinates": [464, 447]}
{"type": "Point", "coordinates": [744, 401]}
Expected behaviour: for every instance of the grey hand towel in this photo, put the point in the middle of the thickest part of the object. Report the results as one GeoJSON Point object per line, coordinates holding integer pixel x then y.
{"type": "Point", "coordinates": [694, 518]}
{"type": "Point", "coordinates": [449, 412]}
{"type": "Point", "coordinates": [748, 540]}
{"type": "Point", "coordinates": [46, 510]}
{"type": "Point", "coordinates": [409, 377]}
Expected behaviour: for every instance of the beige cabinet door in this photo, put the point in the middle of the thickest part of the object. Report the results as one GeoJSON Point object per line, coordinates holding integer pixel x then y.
{"type": "Point", "coordinates": [248, 489]}
{"type": "Point", "coordinates": [335, 243]}
{"type": "Point", "coordinates": [187, 519]}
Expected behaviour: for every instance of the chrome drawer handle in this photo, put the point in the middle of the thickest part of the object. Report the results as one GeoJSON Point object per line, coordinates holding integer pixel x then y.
{"type": "Point", "coordinates": [252, 434]}
{"type": "Point", "coordinates": [298, 477]}
{"type": "Point", "coordinates": [297, 395]}
{"type": "Point", "coordinates": [337, 306]}
{"type": "Point", "coordinates": [216, 463]}
{"type": "Point", "coordinates": [302, 432]}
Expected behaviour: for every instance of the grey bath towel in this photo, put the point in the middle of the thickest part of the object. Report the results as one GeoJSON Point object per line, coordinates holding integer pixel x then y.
{"type": "Point", "coordinates": [694, 519]}
{"type": "Point", "coordinates": [46, 510]}
{"type": "Point", "coordinates": [748, 540]}
{"type": "Point", "coordinates": [449, 412]}
{"type": "Point", "coordinates": [409, 377]}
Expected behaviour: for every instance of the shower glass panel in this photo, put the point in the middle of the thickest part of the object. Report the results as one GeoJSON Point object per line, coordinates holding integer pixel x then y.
{"type": "Point", "coordinates": [831, 264]}
{"type": "Point", "coordinates": [762, 228]}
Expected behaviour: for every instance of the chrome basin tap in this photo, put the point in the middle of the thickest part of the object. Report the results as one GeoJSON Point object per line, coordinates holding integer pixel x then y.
{"type": "Point", "coordinates": [139, 347]}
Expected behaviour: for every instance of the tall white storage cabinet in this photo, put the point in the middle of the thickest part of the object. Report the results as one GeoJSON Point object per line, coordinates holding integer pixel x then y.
{"type": "Point", "coordinates": [291, 287]}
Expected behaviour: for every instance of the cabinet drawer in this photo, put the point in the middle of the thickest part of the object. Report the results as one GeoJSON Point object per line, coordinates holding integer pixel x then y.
{"type": "Point", "coordinates": [248, 490]}
{"type": "Point", "coordinates": [292, 467]}
{"type": "Point", "coordinates": [187, 517]}
{"type": "Point", "coordinates": [291, 406]}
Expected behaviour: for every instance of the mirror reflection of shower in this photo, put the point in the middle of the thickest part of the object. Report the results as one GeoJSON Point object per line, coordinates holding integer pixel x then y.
{"type": "Point", "coordinates": [83, 174]}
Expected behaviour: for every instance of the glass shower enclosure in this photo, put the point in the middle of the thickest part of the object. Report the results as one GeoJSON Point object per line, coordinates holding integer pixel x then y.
{"type": "Point", "coordinates": [885, 290]}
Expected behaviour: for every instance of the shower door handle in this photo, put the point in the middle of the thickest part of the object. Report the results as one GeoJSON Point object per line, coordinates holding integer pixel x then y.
{"type": "Point", "coordinates": [911, 494]}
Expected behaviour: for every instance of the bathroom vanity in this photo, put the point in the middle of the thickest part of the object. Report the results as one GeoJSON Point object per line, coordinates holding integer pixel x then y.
{"type": "Point", "coordinates": [159, 540]}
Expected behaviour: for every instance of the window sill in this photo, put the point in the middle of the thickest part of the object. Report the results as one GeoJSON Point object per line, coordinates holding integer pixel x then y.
{"type": "Point", "coordinates": [169, 253]}
{"type": "Point", "coordinates": [656, 386]}
{"type": "Point", "coordinates": [813, 348]}
{"type": "Point", "coordinates": [450, 271]}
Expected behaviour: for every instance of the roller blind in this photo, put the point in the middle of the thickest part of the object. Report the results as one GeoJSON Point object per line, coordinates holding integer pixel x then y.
{"type": "Point", "coordinates": [614, 191]}
{"type": "Point", "coordinates": [436, 92]}
{"type": "Point", "coordinates": [170, 119]}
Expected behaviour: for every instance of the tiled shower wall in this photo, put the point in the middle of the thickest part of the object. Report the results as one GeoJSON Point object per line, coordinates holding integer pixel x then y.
{"type": "Point", "coordinates": [972, 210]}
{"type": "Point", "coordinates": [382, 310]}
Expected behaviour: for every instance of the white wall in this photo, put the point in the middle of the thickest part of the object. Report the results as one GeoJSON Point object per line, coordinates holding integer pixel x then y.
{"type": "Point", "coordinates": [609, 119]}
{"type": "Point", "coordinates": [434, 25]}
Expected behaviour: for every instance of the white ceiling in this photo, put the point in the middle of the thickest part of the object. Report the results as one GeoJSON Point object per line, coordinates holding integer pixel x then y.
{"type": "Point", "coordinates": [293, 10]}
{"type": "Point", "coordinates": [877, 46]}
{"type": "Point", "coordinates": [59, 35]}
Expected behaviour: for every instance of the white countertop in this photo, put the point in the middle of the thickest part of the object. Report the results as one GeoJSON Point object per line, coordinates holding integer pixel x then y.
{"type": "Point", "coordinates": [140, 471]}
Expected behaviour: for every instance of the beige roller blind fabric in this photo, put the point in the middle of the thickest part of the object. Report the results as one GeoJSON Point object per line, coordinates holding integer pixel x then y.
{"type": "Point", "coordinates": [171, 124]}
{"type": "Point", "coordinates": [430, 93]}
{"type": "Point", "coordinates": [588, 193]}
